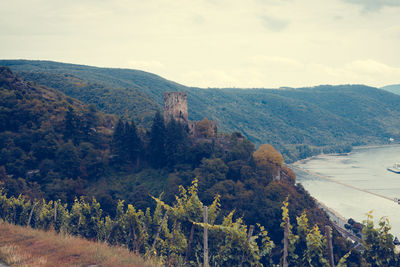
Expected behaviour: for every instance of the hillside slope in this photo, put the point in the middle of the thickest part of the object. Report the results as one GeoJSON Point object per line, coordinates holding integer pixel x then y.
{"type": "Point", "coordinates": [48, 142]}
{"type": "Point", "coordinates": [395, 88]}
{"type": "Point", "coordinates": [22, 246]}
{"type": "Point", "coordinates": [299, 122]}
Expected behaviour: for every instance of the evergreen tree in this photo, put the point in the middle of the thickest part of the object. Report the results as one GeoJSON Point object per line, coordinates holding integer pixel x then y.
{"type": "Point", "coordinates": [157, 142]}
{"type": "Point", "coordinates": [176, 143]}
{"type": "Point", "coordinates": [71, 125]}
{"type": "Point", "coordinates": [127, 144]}
{"type": "Point", "coordinates": [118, 142]}
{"type": "Point", "coordinates": [77, 125]}
{"type": "Point", "coordinates": [91, 115]}
{"type": "Point", "coordinates": [68, 160]}
{"type": "Point", "coordinates": [133, 144]}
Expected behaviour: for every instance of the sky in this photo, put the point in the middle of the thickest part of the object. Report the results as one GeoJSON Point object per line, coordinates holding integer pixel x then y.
{"type": "Point", "coordinates": [214, 43]}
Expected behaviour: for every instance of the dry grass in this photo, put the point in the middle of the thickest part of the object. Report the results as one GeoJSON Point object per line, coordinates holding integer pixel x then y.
{"type": "Point", "coordinates": [21, 246]}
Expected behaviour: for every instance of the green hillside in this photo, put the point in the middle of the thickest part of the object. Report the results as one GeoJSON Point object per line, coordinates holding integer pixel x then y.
{"type": "Point", "coordinates": [322, 116]}
{"type": "Point", "coordinates": [49, 143]}
{"type": "Point", "coordinates": [299, 122]}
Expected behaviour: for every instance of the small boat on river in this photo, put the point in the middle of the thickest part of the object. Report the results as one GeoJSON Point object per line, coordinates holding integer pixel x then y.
{"type": "Point", "coordinates": [395, 168]}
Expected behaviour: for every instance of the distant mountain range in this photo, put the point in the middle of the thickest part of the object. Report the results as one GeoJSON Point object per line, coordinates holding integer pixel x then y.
{"type": "Point", "coordinates": [298, 121]}
{"type": "Point", "coordinates": [395, 88]}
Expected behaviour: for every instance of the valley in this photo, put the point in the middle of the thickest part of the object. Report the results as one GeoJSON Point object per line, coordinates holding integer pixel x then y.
{"type": "Point", "coordinates": [299, 122]}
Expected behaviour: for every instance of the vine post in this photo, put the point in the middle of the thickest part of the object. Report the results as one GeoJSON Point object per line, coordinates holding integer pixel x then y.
{"type": "Point", "coordinates": [205, 241]}
{"type": "Point", "coordinates": [328, 232]}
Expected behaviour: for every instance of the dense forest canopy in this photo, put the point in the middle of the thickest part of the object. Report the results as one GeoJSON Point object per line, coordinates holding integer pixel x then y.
{"type": "Point", "coordinates": [298, 122]}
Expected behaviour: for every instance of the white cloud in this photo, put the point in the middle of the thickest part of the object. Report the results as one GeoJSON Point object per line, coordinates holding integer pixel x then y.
{"type": "Point", "coordinates": [276, 61]}
{"type": "Point", "coordinates": [274, 24]}
{"type": "Point", "coordinates": [373, 72]}
{"type": "Point", "coordinates": [374, 5]}
{"type": "Point", "coordinates": [392, 32]}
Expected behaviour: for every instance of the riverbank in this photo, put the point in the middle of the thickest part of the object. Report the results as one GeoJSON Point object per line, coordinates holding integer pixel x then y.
{"type": "Point", "coordinates": [23, 246]}
{"type": "Point", "coordinates": [354, 184]}
{"type": "Point", "coordinates": [354, 149]}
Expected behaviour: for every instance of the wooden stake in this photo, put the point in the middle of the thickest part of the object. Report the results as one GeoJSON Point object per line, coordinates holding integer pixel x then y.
{"type": "Point", "coordinates": [30, 214]}
{"type": "Point", "coordinates": [249, 234]}
{"type": "Point", "coordinates": [135, 240]}
{"type": "Point", "coordinates": [111, 231]}
{"type": "Point", "coordinates": [205, 241]}
{"type": "Point", "coordinates": [189, 247]}
{"type": "Point", "coordinates": [328, 233]}
{"type": "Point", "coordinates": [174, 227]}
{"type": "Point", "coordinates": [55, 213]}
{"type": "Point", "coordinates": [158, 231]}
{"type": "Point", "coordinates": [286, 242]}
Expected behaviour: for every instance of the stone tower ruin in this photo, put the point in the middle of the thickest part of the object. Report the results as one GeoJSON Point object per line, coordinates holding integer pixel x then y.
{"type": "Point", "coordinates": [175, 106]}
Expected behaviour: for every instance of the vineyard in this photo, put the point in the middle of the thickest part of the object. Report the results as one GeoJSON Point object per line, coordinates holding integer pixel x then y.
{"type": "Point", "coordinates": [189, 233]}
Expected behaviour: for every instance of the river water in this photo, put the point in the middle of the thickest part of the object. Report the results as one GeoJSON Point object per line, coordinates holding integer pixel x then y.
{"type": "Point", "coordinates": [355, 183]}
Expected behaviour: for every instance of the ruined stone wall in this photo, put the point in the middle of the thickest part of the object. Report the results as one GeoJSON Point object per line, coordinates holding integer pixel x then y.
{"type": "Point", "coordinates": [193, 129]}
{"type": "Point", "coordinates": [175, 106]}
{"type": "Point", "coordinates": [192, 125]}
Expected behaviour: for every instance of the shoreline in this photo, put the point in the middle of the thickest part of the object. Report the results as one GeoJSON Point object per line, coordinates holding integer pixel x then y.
{"type": "Point", "coordinates": [301, 161]}
{"type": "Point", "coordinates": [362, 171]}
{"type": "Point", "coordinates": [376, 146]}
{"type": "Point", "coordinates": [333, 215]}
{"type": "Point", "coordinates": [339, 222]}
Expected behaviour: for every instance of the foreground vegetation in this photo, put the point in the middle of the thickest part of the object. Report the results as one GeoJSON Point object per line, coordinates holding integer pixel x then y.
{"type": "Point", "coordinates": [22, 246]}
{"type": "Point", "coordinates": [174, 235]}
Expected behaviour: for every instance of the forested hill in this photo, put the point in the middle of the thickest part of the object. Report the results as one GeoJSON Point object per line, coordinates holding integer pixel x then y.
{"type": "Point", "coordinates": [49, 143]}
{"type": "Point", "coordinates": [299, 122]}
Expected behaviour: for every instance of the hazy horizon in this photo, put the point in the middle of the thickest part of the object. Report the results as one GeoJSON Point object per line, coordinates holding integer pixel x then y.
{"type": "Point", "coordinates": [214, 43]}
{"type": "Point", "coordinates": [188, 85]}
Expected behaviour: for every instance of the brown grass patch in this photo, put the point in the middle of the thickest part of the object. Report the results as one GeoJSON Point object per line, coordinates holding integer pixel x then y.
{"type": "Point", "coordinates": [22, 246]}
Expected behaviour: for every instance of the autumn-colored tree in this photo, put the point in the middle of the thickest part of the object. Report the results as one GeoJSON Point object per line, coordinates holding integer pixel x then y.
{"type": "Point", "coordinates": [266, 154]}
{"type": "Point", "coordinates": [204, 128]}
{"type": "Point", "coordinates": [268, 161]}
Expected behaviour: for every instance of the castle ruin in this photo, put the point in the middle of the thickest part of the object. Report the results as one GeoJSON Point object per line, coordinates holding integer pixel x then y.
{"type": "Point", "coordinates": [175, 107]}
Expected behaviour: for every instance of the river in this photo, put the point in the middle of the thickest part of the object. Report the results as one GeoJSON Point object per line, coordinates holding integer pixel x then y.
{"type": "Point", "coordinates": [355, 183]}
